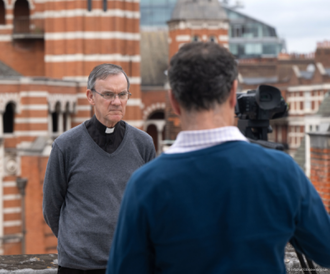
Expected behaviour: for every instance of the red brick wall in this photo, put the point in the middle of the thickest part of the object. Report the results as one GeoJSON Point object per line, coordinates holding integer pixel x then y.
{"type": "Point", "coordinates": [320, 173]}
{"type": "Point", "coordinates": [39, 238]}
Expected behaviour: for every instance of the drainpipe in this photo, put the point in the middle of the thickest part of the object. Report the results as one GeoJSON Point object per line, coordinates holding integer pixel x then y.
{"type": "Point", "coordinates": [21, 184]}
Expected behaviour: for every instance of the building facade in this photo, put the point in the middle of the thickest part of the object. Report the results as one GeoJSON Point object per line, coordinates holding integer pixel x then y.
{"type": "Point", "coordinates": [47, 50]}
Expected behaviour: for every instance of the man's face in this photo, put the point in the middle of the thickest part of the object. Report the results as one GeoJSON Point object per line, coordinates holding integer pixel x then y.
{"type": "Point", "coordinates": [109, 112]}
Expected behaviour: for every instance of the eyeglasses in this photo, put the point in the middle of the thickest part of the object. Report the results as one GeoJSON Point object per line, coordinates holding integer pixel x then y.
{"type": "Point", "coordinates": [123, 96]}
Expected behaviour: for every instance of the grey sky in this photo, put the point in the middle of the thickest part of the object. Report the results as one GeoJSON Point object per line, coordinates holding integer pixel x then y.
{"type": "Point", "coordinates": [302, 23]}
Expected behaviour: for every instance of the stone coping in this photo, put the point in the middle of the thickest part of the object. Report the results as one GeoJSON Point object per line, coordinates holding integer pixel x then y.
{"type": "Point", "coordinates": [47, 263]}
{"type": "Point", "coordinates": [29, 264]}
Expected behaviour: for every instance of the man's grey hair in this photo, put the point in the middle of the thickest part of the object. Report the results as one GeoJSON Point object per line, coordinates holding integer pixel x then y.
{"type": "Point", "coordinates": [102, 72]}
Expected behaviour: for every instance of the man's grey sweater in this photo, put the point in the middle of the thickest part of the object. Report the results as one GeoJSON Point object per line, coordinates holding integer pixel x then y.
{"type": "Point", "coordinates": [83, 188]}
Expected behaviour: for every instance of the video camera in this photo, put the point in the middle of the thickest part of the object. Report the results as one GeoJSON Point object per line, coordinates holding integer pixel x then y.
{"type": "Point", "coordinates": [255, 108]}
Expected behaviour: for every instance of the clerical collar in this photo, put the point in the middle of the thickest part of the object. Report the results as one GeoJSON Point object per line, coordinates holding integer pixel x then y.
{"type": "Point", "coordinates": [109, 130]}
{"type": "Point", "coordinates": [102, 128]}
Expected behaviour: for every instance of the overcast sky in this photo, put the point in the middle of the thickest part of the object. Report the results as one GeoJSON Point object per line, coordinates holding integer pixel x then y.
{"type": "Point", "coordinates": [302, 23]}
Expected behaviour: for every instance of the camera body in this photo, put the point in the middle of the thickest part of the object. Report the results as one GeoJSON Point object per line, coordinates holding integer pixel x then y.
{"type": "Point", "coordinates": [255, 108]}
{"type": "Point", "coordinates": [264, 103]}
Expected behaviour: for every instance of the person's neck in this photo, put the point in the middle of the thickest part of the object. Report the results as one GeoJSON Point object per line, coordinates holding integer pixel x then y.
{"type": "Point", "coordinates": [105, 123]}
{"type": "Point", "coordinates": [207, 119]}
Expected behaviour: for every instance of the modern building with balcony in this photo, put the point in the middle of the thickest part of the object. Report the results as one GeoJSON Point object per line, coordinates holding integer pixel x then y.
{"type": "Point", "coordinates": [251, 38]}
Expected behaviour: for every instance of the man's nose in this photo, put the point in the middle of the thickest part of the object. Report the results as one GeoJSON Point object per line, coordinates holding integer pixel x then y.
{"type": "Point", "coordinates": [116, 101]}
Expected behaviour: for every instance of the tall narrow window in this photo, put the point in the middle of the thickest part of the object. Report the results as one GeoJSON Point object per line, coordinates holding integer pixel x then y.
{"type": "Point", "coordinates": [56, 117]}
{"type": "Point", "coordinates": [89, 5]}
{"type": "Point", "coordinates": [21, 17]}
{"type": "Point", "coordinates": [8, 118]}
{"type": "Point", "coordinates": [105, 5]}
{"type": "Point", "coordinates": [2, 13]}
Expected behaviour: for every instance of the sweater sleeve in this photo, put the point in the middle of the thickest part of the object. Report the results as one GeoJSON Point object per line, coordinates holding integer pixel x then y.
{"type": "Point", "coordinates": [312, 233]}
{"type": "Point", "coordinates": [54, 189]}
{"type": "Point", "coordinates": [151, 152]}
{"type": "Point", "coordinates": [131, 250]}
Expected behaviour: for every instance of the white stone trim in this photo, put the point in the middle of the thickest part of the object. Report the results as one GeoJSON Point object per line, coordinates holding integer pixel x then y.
{"type": "Point", "coordinates": [152, 108]}
{"type": "Point", "coordinates": [91, 57]}
{"type": "Point", "coordinates": [135, 123]}
{"type": "Point", "coordinates": [10, 210]}
{"type": "Point", "coordinates": [80, 119]}
{"type": "Point", "coordinates": [36, 94]}
{"type": "Point", "coordinates": [223, 38]}
{"type": "Point", "coordinates": [5, 38]}
{"type": "Point", "coordinates": [183, 38]}
{"type": "Point", "coordinates": [84, 108]}
{"type": "Point", "coordinates": [134, 102]}
{"type": "Point", "coordinates": [82, 96]}
{"type": "Point", "coordinates": [132, 80]}
{"type": "Point", "coordinates": [7, 26]}
{"type": "Point", "coordinates": [309, 87]}
{"type": "Point", "coordinates": [321, 68]}
{"type": "Point", "coordinates": [92, 35]}
{"type": "Point", "coordinates": [5, 98]}
{"type": "Point", "coordinates": [9, 184]}
{"type": "Point", "coordinates": [191, 24]}
{"type": "Point", "coordinates": [31, 120]}
{"type": "Point", "coordinates": [64, 100]}
{"type": "Point", "coordinates": [12, 223]}
{"type": "Point", "coordinates": [34, 107]}
{"type": "Point", "coordinates": [86, 13]}
{"type": "Point", "coordinates": [31, 133]}
{"type": "Point", "coordinates": [10, 197]}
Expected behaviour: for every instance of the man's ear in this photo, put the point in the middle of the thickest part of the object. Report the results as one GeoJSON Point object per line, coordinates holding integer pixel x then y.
{"type": "Point", "coordinates": [90, 97]}
{"type": "Point", "coordinates": [232, 95]}
{"type": "Point", "coordinates": [174, 103]}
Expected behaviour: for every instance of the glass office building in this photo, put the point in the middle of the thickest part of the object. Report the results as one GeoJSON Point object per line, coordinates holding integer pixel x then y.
{"type": "Point", "coordinates": [248, 37]}
{"type": "Point", "coordinates": [155, 13]}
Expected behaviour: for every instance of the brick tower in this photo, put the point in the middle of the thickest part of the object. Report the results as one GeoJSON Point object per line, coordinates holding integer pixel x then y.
{"type": "Point", "coordinates": [192, 21]}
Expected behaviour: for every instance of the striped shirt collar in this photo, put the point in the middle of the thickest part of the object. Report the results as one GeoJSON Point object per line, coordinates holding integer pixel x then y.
{"type": "Point", "coordinates": [188, 141]}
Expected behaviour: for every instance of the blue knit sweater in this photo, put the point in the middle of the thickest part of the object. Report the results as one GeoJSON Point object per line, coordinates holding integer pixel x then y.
{"type": "Point", "coordinates": [230, 208]}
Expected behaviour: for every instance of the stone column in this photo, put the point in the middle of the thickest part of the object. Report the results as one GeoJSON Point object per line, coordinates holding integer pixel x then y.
{"type": "Point", "coordinates": [68, 120]}
{"type": "Point", "coordinates": [60, 123]}
{"type": "Point", "coordinates": [320, 165]}
{"type": "Point", "coordinates": [1, 124]}
{"type": "Point", "coordinates": [50, 124]}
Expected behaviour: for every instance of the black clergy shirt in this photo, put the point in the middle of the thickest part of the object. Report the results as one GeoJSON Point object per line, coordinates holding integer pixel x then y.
{"type": "Point", "coordinates": [109, 142]}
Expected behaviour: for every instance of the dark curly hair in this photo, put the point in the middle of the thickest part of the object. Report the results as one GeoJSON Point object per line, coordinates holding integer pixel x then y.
{"type": "Point", "coordinates": [202, 74]}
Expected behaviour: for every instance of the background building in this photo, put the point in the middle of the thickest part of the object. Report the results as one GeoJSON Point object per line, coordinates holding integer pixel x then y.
{"type": "Point", "coordinates": [47, 50]}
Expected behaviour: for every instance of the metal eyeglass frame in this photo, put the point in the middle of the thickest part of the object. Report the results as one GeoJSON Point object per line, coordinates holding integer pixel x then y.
{"type": "Point", "coordinates": [116, 94]}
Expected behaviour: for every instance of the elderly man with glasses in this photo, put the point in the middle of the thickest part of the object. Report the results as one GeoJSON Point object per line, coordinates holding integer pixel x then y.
{"type": "Point", "coordinates": [87, 173]}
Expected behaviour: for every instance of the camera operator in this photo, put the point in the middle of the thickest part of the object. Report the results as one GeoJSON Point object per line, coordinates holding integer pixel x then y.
{"type": "Point", "coordinates": [215, 203]}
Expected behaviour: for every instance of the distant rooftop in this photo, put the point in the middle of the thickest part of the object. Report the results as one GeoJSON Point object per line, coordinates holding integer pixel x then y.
{"type": "Point", "coordinates": [307, 74]}
{"type": "Point", "coordinates": [6, 71]}
{"type": "Point", "coordinates": [198, 10]}
{"type": "Point", "coordinates": [327, 70]}
{"type": "Point", "coordinates": [259, 80]}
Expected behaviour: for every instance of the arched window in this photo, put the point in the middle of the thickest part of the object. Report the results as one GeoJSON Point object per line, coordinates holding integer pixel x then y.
{"type": "Point", "coordinates": [155, 128]}
{"type": "Point", "coordinates": [21, 17]}
{"type": "Point", "coordinates": [2, 13]}
{"type": "Point", "coordinates": [105, 5]}
{"type": "Point", "coordinates": [89, 5]}
{"type": "Point", "coordinates": [195, 38]}
{"type": "Point", "coordinates": [55, 117]}
{"type": "Point", "coordinates": [8, 118]}
{"type": "Point", "coordinates": [212, 39]}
